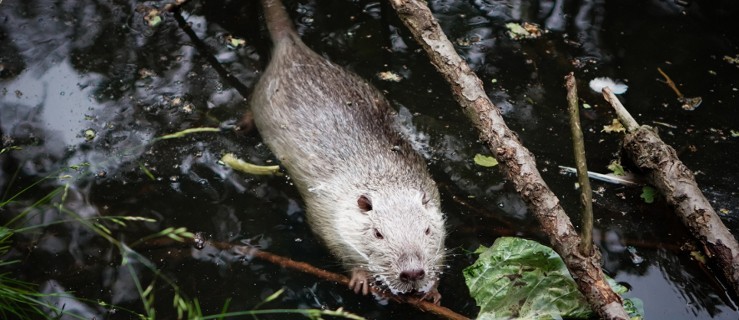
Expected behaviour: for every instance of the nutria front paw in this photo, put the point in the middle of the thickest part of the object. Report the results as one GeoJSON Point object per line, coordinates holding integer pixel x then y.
{"type": "Point", "coordinates": [359, 281]}
{"type": "Point", "coordinates": [434, 296]}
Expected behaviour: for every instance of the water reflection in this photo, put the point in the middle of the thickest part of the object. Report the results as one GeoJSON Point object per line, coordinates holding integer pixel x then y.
{"type": "Point", "coordinates": [62, 99]}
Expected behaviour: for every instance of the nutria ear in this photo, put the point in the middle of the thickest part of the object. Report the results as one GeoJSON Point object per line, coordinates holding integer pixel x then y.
{"type": "Point", "coordinates": [425, 198]}
{"type": "Point", "coordinates": [364, 203]}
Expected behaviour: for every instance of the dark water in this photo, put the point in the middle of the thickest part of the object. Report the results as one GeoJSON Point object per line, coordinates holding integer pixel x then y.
{"type": "Point", "coordinates": [67, 67]}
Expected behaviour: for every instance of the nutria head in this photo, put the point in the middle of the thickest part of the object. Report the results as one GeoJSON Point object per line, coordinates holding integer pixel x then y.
{"type": "Point", "coordinates": [397, 239]}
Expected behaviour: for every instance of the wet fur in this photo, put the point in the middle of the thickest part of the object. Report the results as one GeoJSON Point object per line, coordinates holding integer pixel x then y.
{"type": "Point", "coordinates": [337, 136]}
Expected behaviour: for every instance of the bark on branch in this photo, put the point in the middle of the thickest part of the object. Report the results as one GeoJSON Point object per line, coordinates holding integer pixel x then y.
{"type": "Point", "coordinates": [677, 184]}
{"type": "Point", "coordinates": [516, 161]}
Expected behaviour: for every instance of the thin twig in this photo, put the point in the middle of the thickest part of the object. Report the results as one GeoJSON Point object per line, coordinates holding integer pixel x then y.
{"type": "Point", "coordinates": [670, 83]}
{"type": "Point", "coordinates": [687, 103]}
{"type": "Point", "coordinates": [623, 115]}
{"type": "Point", "coordinates": [250, 251]}
{"type": "Point", "coordinates": [586, 194]}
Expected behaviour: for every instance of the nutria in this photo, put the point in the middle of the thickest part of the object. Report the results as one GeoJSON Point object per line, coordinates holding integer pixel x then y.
{"type": "Point", "coordinates": [367, 192]}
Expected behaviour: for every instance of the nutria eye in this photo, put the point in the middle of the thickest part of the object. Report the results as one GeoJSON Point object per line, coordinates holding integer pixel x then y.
{"type": "Point", "coordinates": [378, 235]}
{"type": "Point", "coordinates": [428, 231]}
{"type": "Point", "coordinates": [364, 203]}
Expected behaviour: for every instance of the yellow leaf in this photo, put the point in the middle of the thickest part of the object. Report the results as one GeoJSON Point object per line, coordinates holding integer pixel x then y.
{"type": "Point", "coordinates": [615, 126]}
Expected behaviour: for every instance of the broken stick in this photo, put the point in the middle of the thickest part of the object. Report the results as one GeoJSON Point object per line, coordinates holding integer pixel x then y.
{"type": "Point", "coordinates": [677, 184]}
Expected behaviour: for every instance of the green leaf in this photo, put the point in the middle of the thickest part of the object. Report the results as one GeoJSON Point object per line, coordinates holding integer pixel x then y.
{"type": "Point", "coordinates": [152, 17]}
{"type": "Point", "coordinates": [616, 168]}
{"type": "Point", "coordinates": [234, 42]}
{"type": "Point", "coordinates": [10, 148]}
{"type": "Point", "coordinates": [240, 165]}
{"type": "Point", "coordinates": [90, 134]}
{"type": "Point", "coordinates": [516, 31]}
{"type": "Point", "coordinates": [237, 42]}
{"type": "Point", "coordinates": [147, 172]}
{"type": "Point", "coordinates": [525, 30]}
{"type": "Point", "coordinates": [635, 308]}
{"type": "Point", "coordinates": [185, 132]}
{"type": "Point", "coordinates": [522, 279]}
{"type": "Point", "coordinates": [518, 278]}
{"type": "Point", "coordinates": [648, 193]}
{"type": "Point", "coordinates": [485, 161]}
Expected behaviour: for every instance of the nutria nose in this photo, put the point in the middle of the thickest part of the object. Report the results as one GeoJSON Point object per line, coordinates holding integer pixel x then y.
{"type": "Point", "coordinates": [412, 275]}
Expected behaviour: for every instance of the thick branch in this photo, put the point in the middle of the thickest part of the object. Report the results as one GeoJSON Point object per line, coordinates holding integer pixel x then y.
{"type": "Point", "coordinates": [677, 184]}
{"type": "Point", "coordinates": [516, 161]}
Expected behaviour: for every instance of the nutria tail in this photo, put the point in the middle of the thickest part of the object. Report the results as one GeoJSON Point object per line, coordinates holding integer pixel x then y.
{"type": "Point", "coordinates": [278, 21]}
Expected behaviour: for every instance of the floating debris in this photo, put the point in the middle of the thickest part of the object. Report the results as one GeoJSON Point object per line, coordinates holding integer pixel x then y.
{"type": "Point", "coordinates": [628, 179]}
{"type": "Point", "coordinates": [234, 42]}
{"type": "Point", "coordinates": [615, 126]}
{"type": "Point", "coordinates": [648, 193]}
{"type": "Point", "coordinates": [598, 84]}
{"type": "Point", "coordinates": [90, 134]}
{"type": "Point", "coordinates": [243, 166]}
{"type": "Point", "coordinates": [635, 257]}
{"type": "Point", "coordinates": [389, 76]}
{"type": "Point", "coordinates": [185, 132]}
{"type": "Point", "coordinates": [732, 60]}
{"type": "Point", "coordinates": [688, 104]}
{"type": "Point", "coordinates": [153, 17]}
{"type": "Point", "coordinates": [485, 161]}
{"type": "Point", "coordinates": [525, 30]}
{"type": "Point", "coordinates": [665, 124]}
{"type": "Point", "coordinates": [616, 168]}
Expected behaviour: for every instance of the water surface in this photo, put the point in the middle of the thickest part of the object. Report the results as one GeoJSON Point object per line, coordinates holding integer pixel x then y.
{"type": "Point", "coordinates": [89, 82]}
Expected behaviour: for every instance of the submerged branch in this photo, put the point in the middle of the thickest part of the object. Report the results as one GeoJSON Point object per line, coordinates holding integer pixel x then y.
{"type": "Point", "coordinates": [515, 160]}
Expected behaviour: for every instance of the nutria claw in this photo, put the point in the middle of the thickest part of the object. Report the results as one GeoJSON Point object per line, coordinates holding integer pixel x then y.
{"type": "Point", "coordinates": [433, 295]}
{"type": "Point", "coordinates": [358, 282]}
